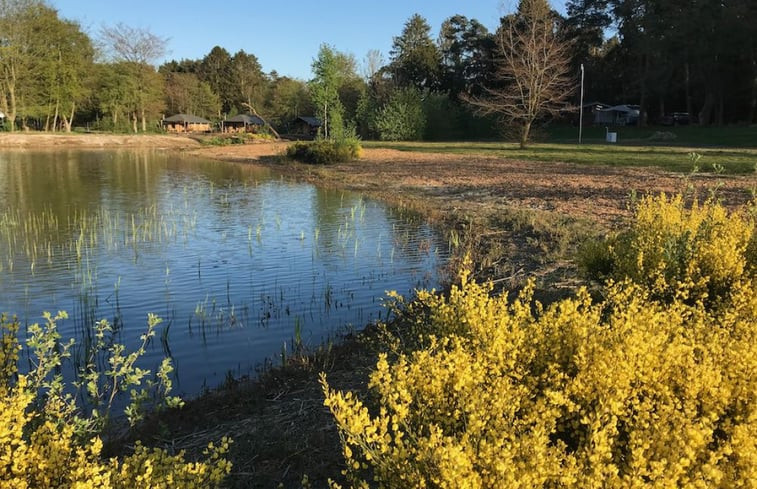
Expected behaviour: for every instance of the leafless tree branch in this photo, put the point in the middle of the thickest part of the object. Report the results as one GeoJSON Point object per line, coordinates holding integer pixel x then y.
{"type": "Point", "coordinates": [532, 71]}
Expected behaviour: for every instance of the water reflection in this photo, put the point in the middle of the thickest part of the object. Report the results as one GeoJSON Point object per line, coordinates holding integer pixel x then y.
{"type": "Point", "coordinates": [231, 256]}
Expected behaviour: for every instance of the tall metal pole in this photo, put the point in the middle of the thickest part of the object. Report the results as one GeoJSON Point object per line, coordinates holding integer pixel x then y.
{"type": "Point", "coordinates": [581, 110]}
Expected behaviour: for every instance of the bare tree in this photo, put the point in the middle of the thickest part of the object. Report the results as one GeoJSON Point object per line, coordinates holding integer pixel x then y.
{"type": "Point", "coordinates": [372, 63]}
{"type": "Point", "coordinates": [136, 49]}
{"type": "Point", "coordinates": [133, 44]}
{"type": "Point", "coordinates": [532, 69]}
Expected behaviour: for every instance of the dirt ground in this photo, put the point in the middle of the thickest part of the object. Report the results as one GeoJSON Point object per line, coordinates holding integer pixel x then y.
{"type": "Point", "coordinates": [22, 140]}
{"type": "Point", "coordinates": [598, 193]}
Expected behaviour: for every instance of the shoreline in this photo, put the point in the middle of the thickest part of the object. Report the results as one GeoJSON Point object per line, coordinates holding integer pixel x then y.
{"type": "Point", "coordinates": [519, 218]}
{"type": "Point", "coordinates": [44, 141]}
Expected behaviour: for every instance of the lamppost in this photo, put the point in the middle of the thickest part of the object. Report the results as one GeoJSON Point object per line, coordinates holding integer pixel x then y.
{"type": "Point", "coordinates": [581, 109]}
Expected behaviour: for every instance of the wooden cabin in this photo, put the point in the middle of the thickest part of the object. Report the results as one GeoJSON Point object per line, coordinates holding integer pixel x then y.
{"type": "Point", "coordinates": [242, 123]}
{"type": "Point", "coordinates": [306, 126]}
{"type": "Point", "coordinates": [186, 123]}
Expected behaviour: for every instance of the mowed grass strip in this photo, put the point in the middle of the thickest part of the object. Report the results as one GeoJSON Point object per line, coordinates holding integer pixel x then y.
{"type": "Point", "coordinates": [730, 161]}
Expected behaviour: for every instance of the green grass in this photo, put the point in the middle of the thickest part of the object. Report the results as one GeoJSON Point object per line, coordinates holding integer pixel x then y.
{"type": "Point", "coordinates": [689, 136]}
{"type": "Point", "coordinates": [636, 152]}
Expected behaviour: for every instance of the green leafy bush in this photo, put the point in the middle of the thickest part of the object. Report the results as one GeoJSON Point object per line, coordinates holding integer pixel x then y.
{"type": "Point", "coordinates": [323, 152]}
{"type": "Point", "coordinates": [402, 118]}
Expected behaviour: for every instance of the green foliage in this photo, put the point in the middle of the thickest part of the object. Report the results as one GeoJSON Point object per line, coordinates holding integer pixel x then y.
{"type": "Point", "coordinates": [216, 70]}
{"type": "Point", "coordinates": [105, 371]}
{"type": "Point", "coordinates": [45, 65]}
{"type": "Point", "coordinates": [444, 118]}
{"type": "Point", "coordinates": [415, 59]}
{"type": "Point", "coordinates": [332, 70]}
{"type": "Point", "coordinates": [323, 152]}
{"type": "Point", "coordinates": [402, 118]}
{"type": "Point", "coordinates": [187, 94]}
{"type": "Point", "coordinates": [47, 440]}
{"type": "Point", "coordinates": [467, 54]}
{"type": "Point", "coordinates": [226, 140]}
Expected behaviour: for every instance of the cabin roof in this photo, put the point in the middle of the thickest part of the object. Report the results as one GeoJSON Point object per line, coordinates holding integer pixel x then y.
{"type": "Point", "coordinates": [311, 121]}
{"type": "Point", "coordinates": [186, 119]}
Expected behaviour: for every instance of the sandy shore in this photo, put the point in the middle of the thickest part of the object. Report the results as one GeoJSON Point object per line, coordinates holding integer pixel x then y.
{"type": "Point", "coordinates": [20, 140]}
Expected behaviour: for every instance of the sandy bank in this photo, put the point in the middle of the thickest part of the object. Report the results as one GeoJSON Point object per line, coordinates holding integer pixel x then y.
{"type": "Point", "coordinates": [22, 140]}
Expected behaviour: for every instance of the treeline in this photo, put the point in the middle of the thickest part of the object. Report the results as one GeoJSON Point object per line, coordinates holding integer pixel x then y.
{"type": "Point", "coordinates": [696, 56]}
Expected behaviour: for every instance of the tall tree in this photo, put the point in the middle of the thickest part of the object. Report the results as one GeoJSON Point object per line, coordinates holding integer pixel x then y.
{"type": "Point", "coordinates": [532, 69]}
{"type": "Point", "coordinates": [216, 69]}
{"type": "Point", "coordinates": [372, 64]}
{"type": "Point", "coordinates": [467, 52]}
{"type": "Point", "coordinates": [289, 99]}
{"type": "Point", "coordinates": [15, 61]}
{"type": "Point", "coordinates": [115, 92]}
{"type": "Point", "coordinates": [331, 71]}
{"type": "Point", "coordinates": [70, 54]}
{"type": "Point", "coordinates": [414, 58]}
{"type": "Point", "coordinates": [44, 64]}
{"type": "Point", "coordinates": [249, 82]}
{"type": "Point", "coordinates": [133, 44]}
{"type": "Point", "coordinates": [135, 49]}
{"type": "Point", "coordinates": [185, 93]}
{"type": "Point", "coordinates": [692, 55]}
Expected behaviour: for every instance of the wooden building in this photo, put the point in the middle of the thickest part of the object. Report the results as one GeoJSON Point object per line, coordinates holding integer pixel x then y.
{"type": "Point", "coordinates": [242, 123]}
{"type": "Point", "coordinates": [186, 123]}
{"type": "Point", "coordinates": [306, 126]}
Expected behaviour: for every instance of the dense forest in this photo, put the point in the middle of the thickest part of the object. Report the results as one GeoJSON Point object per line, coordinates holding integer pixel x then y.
{"type": "Point", "coordinates": [694, 56]}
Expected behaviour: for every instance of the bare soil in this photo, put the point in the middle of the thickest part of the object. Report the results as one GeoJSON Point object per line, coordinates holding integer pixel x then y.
{"type": "Point", "coordinates": [23, 140]}
{"type": "Point", "coordinates": [598, 193]}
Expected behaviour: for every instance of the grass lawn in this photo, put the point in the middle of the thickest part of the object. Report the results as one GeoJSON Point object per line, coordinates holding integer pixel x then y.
{"type": "Point", "coordinates": [722, 150]}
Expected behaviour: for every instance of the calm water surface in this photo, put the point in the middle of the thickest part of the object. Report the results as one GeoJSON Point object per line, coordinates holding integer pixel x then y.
{"type": "Point", "coordinates": [236, 260]}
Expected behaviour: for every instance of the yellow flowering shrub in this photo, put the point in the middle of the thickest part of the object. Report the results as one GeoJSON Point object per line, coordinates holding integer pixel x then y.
{"type": "Point", "coordinates": [693, 254]}
{"type": "Point", "coordinates": [625, 393]}
{"type": "Point", "coordinates": [40, 445]}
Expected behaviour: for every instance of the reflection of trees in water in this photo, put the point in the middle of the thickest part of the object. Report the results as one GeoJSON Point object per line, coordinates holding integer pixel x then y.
{"type": "Point", "coordinates": [342, 218]}
{"type": "Point", "coordinates": [329, 216]}
{"type": "Point", "coordinates": [289, 277]}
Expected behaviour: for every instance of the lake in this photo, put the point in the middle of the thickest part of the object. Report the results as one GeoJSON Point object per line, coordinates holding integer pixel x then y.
{"type": "Point", "coordinates": [239, 262]}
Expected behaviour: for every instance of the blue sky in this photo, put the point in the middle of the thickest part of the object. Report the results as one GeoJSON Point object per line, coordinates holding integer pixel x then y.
{"type": "Point", "coordinates": [284, 35]}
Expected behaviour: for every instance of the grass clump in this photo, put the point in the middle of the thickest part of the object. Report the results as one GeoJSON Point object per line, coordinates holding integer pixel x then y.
{"type": "Point", "coordinates": [324, 152]}
{"type": "Point", "coordinates": [226, 140]}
